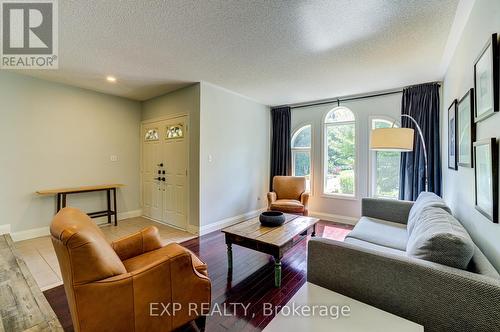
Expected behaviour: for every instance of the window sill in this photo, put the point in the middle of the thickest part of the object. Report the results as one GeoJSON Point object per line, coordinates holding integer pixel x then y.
{"type": "Point", "coordinates": [384, 197]}
{"type": "Point", "coordinates": [339, 196]}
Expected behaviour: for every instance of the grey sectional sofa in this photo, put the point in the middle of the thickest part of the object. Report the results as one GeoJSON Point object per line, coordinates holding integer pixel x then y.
{"type": "Point", "coordinates": [415, 260]}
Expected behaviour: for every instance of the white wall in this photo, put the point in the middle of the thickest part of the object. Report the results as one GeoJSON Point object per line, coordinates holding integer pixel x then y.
{"type": "Point", "coordinates": [348, 209]}
{"type": "Point", "coordinates": [234, 131]}
{"type": "Point", "coordinates": [58, 136]}
{"type": "Point", "coordinates": [183, 101]}
{"type": "Point", "coordinates": [458, 186]}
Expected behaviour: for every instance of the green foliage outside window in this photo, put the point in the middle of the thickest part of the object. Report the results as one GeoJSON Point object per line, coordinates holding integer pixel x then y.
{"type": "Point", "coordinates": [302, 164]}
{"type": "Point", "coordinates": [388, 173]}
{"type": "Point", "coordinates": [301, 153]}
{"type": "Point", "coordinates": [341, 152]}
{"type": "Point", "coordinates": [347, 182]}
{"type": "Point", "coordinates": [386, 167]}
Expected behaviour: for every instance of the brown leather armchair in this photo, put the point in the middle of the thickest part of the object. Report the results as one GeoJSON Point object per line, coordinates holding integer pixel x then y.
{"type": "Point", "coordinates": [289, 195]}
{"type": "Point", "coordinates": [126, 286]}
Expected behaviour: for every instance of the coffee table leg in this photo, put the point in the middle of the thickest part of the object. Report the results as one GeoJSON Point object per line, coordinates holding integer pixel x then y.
{"type": "Point", "coordinates": [314, 231]}
{"type": "Point", "coordinates": [229, 256]}
{"type": "Point", "coordinates": [277, 272]}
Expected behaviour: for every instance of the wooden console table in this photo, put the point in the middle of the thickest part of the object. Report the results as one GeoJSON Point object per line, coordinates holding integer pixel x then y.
{"type": "Point", "coordinates": [111, 210]}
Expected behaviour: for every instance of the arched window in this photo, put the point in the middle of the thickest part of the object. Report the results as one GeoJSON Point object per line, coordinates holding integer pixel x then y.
{"type": "Point", "coordinates": [384, 172]}
{"type": "Point", "coordinates": [340, 152]}
{"type": "Point", "coordinates": [301, 154]}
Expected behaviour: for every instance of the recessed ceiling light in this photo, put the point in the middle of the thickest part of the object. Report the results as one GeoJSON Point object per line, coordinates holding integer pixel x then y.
{"type": "Point", "coordinates": [111, 79]}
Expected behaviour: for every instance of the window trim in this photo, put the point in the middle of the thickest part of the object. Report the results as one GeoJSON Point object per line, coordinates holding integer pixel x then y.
{"type": "Point", "coordinates": [371, 155]}
{"type": "Point", "coordinates": [324, 154]}
{"type": "Point", "coordinates": [297, 129]}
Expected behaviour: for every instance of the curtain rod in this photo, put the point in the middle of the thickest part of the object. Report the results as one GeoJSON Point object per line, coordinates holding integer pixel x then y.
{"type": "Point", "coordinates": [351, 98]}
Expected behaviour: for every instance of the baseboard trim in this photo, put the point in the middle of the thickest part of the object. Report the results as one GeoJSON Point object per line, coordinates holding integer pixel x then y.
{"type": "Point", "coordinates": [172, 226]}
{"type": "Point", "coordinates": [335, 218]}
{"type": "Point", "coordinates": [193, 229]}
{"type": "Point", "coordinates": [218, 225]}
{"type": "Point", "coordinates": [30, 233]}
{"type": "Point", "coordinates": [4, 229]}
{"type": "Point", "coordinates": [44, 231]}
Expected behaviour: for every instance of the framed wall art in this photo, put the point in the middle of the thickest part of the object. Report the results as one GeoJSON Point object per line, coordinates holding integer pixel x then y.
{"type": "Point", "coordinates": [466, 129]}
{"type": "Point", "coordinates": [452, 136]}
{"type": "Point", "coordinates": [486, 74]}
{"type": "Point", "coordinates": [486, 178]}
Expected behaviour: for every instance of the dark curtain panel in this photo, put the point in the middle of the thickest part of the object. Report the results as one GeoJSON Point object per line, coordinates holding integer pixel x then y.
{"type": "Point", "coordinates": [422, 103]}
{"type": "Point", "coordinates": [281, 152]}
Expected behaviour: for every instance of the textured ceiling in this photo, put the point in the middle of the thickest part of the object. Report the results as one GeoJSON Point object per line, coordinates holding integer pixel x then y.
{"type": "Point", "coordinates": [275, 52]}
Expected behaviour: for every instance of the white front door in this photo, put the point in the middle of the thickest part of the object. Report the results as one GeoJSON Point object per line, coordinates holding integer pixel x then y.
{"type": "Point", "coordinates": [151, 181]}
{"type": "Point", "coordinates": [176, 165]}
{"type": "Point", "coordinates": [164, 171]}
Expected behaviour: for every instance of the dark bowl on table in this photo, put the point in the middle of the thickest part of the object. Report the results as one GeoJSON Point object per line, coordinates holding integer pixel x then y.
{"type": "Point", "coordinates": [272, 218]}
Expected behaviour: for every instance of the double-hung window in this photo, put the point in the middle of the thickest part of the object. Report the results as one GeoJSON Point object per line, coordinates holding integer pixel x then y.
{"type": "Point", "coordinates": [301, 154]}
{"type": "Point", "coordinates": [384, 165]}
{"type": "Point", "coordinates": [340, 153]}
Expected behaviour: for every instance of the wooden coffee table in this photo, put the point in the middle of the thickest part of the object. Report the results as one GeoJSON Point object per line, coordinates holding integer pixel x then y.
{"type": "Point", "coordinates": [275, 241]}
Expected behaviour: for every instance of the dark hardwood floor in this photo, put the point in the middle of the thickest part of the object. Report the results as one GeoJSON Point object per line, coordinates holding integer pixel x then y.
{"type": "Point", "coordinates": [251, 283]}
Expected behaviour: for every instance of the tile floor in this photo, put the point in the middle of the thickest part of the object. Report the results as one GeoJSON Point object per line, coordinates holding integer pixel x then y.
{"type": "Point", "coordinates": [41, 258]}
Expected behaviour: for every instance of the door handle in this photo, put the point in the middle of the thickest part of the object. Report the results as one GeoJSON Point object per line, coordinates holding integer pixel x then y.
{"type": "Point", "coordinates": [160, 165]}
{"type": "Point", "coordinates": [163, 179]}
{"type": "Point", "coordinates": [158, 178]}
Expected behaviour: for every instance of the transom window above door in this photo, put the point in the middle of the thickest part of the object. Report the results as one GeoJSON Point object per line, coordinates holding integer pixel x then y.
{"type": "Point", "coordinates": [152, 135]}
{"type": "Point", "coordinates": [301, 154]}
{"type": "Point", "coordinates": [176, 131]}
{"type": "Point", "coordinates": [340, 153]}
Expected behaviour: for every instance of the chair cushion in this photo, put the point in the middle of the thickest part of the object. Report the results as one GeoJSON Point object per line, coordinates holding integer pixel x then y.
{"type": "Point", "coordinates": [425, 199]}
{"type": "Point", "coordinates": [372, 246]}
{"type": "Point", "coordinates": [150, 257]}
{"type": "Point", "coordinates": [440, 238]}
{"type": "Point", "coordinates": [380, 232]}
{"type": "Point", "coordinates": [287, 205]}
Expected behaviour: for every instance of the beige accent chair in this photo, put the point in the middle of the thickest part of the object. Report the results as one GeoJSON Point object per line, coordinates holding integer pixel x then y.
{"type": "Point", "coordinates": [289, 195]}
{"type": "Point", "coordinates": [124, 285]}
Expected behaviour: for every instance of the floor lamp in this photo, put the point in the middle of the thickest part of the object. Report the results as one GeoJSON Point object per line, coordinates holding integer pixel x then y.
{"type": "Point", "coordinates": [399, 139]}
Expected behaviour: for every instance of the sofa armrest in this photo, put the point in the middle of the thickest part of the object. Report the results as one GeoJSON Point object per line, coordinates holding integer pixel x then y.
{"type": "Point", "coordinates": [138, 243]}
{"type": "Point", "coordinates": [271, 198]}
{"type": "Point", "coordinates": [182, 284]}
{"type": "Point", "coordinates": [386, 209]}
{"type": "Point", "coordinates": [438, 297]}
{"type": "Point", "coordinates": [304, 199]}
{"type": "Point", "coordinates": [91, 303]}
{"type": "Point", "coordinates": [172, 279]}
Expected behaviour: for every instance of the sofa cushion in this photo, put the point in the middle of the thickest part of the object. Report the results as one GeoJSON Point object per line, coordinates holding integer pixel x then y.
{"type": "Point", "coordinates": [380, 232]}
{"type": "Point", "coordinates": [287, 205]}
{"type": "Point", "coordinates": [425, 199]}
{"type": "Point", "coordinates": [373, 246]}
{"type": "Point", "coordinates": [440, 238]}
